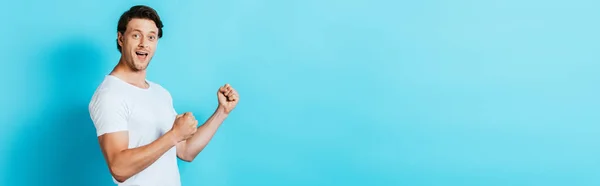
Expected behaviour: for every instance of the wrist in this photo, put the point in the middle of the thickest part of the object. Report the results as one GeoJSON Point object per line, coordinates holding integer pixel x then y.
{"type": "Point", "coordinates": [221, 111]}
{"type": "Point", "coordinates": [172, 135]}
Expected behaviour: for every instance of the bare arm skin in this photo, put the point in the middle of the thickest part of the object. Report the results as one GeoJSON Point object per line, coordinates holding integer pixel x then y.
{"type": "Point", "coordinates": [124, 162]}
{"type": "Point", "coordinates": [188, 150]}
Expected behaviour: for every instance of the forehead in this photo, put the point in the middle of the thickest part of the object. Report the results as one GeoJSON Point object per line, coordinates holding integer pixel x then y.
{"type": "Point", "coordinates": [144, 25]}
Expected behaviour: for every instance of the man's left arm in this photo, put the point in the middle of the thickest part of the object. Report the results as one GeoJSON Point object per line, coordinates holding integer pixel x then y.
{"type": "Point", "coordinates": [188, 150]}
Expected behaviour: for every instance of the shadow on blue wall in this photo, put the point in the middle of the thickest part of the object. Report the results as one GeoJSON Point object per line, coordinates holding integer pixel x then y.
{"type": "Point", "coordinates": [58, 146]}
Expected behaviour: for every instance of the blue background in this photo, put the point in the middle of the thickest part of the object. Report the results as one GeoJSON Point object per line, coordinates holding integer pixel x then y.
{"type": "Point", "coordinates": [358, 92]}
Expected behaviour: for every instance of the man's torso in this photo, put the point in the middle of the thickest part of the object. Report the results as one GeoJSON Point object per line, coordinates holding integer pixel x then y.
{"type": "Point", "coordinates": [150, 115]}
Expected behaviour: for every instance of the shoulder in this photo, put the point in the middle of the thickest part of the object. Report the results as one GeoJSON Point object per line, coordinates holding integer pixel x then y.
{"type": "Point", "coordinates": [159, 88]}
{"type": "Point", "coordinates": [108, 92]}
{"type": "Point", "coordinates": [156, 85]}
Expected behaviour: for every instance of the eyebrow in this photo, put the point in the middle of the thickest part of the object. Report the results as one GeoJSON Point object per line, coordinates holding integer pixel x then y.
{"type": "Point", "coordinates": [143, 32]}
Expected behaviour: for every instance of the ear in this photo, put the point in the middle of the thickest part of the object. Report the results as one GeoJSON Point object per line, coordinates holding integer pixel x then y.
{"type": "Point", "coordinates": [120, 39]}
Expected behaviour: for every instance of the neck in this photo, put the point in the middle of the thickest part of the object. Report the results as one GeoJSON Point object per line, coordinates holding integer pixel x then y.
{"type": "Point", "coordinates": [127, 74]}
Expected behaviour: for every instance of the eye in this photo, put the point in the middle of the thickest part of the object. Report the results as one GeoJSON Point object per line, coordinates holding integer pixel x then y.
{"type": "Point", "coordinates": [152, 38]}
{"type": "Point", "coordinates": [136, 36]}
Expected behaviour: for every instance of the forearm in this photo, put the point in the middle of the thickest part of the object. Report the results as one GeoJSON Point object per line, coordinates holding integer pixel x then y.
{"type": "Point", "coordinates": [204, 134]}
{"type": "Point", "coordinates": [132, 161]}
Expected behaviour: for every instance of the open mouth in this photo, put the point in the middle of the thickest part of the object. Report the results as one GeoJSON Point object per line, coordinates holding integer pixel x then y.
{"type": "Point", "coordinates": [141, 53]}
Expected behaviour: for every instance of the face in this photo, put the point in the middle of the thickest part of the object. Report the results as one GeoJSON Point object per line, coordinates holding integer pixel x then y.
{"type": "Point", "coordinates": [138, 43]}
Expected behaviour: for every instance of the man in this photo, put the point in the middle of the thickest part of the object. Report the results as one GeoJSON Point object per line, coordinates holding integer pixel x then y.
{"type": "Point", "coordinates": [140, 134]}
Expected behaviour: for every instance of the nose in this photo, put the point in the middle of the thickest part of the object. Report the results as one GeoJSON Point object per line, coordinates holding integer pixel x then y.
{"type": "Point", "coordinates": [143, 43]}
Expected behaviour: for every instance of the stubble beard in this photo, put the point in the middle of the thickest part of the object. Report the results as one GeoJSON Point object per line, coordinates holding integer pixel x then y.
{"type": "Point", "coordinates": [136, 67]}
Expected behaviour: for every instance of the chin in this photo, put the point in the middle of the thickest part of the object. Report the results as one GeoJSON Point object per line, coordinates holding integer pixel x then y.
{"type": "Point", "coordinates": [141, 66]}
{"type": "Point", "coordinates": [138, 66]}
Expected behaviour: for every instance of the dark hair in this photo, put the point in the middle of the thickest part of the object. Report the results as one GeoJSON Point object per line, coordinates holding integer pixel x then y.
{"type": "Point", "coordinates": [142, 12]}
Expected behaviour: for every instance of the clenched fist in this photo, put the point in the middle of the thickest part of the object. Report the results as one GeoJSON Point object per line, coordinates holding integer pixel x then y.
{"type": "Point", "coordinates": [228, 98]}
{"type": "Point", "coordinates": [184, 126]}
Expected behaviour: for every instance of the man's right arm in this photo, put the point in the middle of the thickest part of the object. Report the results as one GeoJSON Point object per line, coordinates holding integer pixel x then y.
{"type": "Point", "coordinates": [124, 162]}
{"type": "Point", "coordinates": [110, 116]}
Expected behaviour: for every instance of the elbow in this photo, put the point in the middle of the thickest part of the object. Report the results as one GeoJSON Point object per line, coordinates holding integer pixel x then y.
{"type": "Point", "coordinates": [187, 157]}
{"type": "Point", "coordinates": [120, 179]}
{"type": "Point", "coordinates": [119, 174]}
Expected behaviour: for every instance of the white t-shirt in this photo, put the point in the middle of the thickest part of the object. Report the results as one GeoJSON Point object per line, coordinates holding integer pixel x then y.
{"type": "Point", "coordinates": [146, 114]}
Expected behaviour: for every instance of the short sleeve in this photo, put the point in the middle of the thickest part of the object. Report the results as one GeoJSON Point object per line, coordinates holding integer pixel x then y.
{"type": "Point", "coordinates": [173, 110]}
{"type": "Point", "coordinates": [109, 113]}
